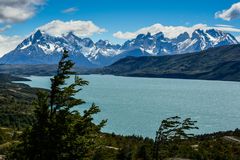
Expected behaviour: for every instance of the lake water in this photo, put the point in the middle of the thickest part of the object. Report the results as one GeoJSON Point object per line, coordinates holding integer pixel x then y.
{"type": "Point", "coordinates": [137, 105]}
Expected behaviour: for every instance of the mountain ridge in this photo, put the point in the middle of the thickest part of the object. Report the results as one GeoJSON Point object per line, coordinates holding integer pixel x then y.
{"type": "Point", "coordinates": [41, 48]}
{"type": "Point", "coordinates": [219, 63]}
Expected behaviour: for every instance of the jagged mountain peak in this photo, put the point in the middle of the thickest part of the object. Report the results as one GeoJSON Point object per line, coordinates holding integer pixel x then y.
{"type": "Point", "coordinates": [144, 36]}
{"type": "Point", "coordinates": [148, 35]}
{"type": "Point", "coordinates": [214, 32]}
{"type": "Point", "coordinates": [36, 37]}
{"type": "Point", "coordinates": [41, 47]}
{"type": "Point", "coordinates": [71, 36]}
{"type": "Point", "coordinates": [159, 35]}
{"type": "Point", "coordinates": [38, 34]}
{"type": "Point", "coordinates": [182, 37]}
{"type": "Point", "coordinates": [101, 43]}
{"type": "Point", "coordinates": [140, 36]}
{"type": "Point", "coordinates": [198, 33]}
{"type": "Point", "coordinates": [106, 47]}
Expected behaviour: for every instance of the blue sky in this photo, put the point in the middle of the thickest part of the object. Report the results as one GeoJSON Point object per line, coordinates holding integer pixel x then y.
{"type": "Point", "coordinates": [115, 16]}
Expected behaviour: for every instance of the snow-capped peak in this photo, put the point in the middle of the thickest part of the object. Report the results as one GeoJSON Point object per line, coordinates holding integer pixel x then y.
{"type": "Point", "coordinates": [43, 46]}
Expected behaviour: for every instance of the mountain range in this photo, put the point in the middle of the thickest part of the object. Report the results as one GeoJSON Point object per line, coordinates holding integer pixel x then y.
{"type": "Point", "coordinates": [219, 63]}
{"type": "Point", "coordinates": [42, 48]}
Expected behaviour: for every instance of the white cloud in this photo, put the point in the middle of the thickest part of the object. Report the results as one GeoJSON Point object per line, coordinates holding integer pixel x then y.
{"type": "Point", "coordinates": [232, 13]}
{"type": "Point", "coordinates": [70, 10]}
{"type": "Point", "coordinates": [12, 11]}
{"type": "Point", "coordinates": [8, 43]}
{"type": "Point", "coordinates": [171, 31]}
{"type": "Point", "coordinates": [224, 25]}
{"type": "Point", "coordinates": [80, 28]}
{"type": "Point", "coordinates": [227, 29]}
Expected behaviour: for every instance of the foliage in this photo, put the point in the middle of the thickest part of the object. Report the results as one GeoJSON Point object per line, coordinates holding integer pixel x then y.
{"type": "Point", "coordinates": [17, 107]}
{"type": "Point", "coordinates": [60, 132]}
{"type": "Point", "coordinates": [172, 129]}
{"type": "Point", "coordinates": [210, 146]}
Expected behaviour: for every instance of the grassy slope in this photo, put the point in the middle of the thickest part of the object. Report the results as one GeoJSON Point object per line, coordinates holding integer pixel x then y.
{"type": "Point", "coordinates": [16, 101]}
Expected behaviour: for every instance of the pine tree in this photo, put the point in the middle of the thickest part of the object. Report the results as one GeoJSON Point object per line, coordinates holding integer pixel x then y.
{"type": "Point", "coordinates": [172, 129]}
{"type": "Point", "coordinates": [60, 131]}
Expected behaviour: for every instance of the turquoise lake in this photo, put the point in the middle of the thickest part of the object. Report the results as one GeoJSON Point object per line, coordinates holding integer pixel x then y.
{"type": "Point", "coordinates": [137, 105]}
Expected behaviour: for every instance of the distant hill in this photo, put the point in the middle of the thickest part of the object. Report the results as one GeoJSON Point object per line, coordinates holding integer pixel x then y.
{"type": "Point", "coordinates": [8, 78]}
{"type": "Point", "coordinates": [221, 63]}
{"type": "Point", "coordinates": [34, 69]}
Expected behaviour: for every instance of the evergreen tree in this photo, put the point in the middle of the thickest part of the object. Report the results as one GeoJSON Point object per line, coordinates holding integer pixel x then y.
{"type": "Point", "coordinates": [143, 153]}
{"type": "Point", "coordinates": [60, 132]}
{"type": "Point", "coordinates": [173, 129]}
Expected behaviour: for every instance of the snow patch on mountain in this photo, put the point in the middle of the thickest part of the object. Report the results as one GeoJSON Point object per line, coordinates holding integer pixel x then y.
{"type": "Point", "coordinates": [41, 47]}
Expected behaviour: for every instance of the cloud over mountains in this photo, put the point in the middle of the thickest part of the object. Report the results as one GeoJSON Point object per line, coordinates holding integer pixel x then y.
{"type": "Point", "coordinates": [80, 28]}
{"type": "Point", "coordinates": [232, 13]}
{"type": "Point", "coordinates": [172, 31]}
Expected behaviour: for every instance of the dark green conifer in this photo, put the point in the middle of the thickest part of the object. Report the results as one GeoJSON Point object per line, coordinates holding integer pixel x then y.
{"type": "Point", "coordinates": [60, 132]}
{"type": "Point", "coordinates": [172, 129]}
